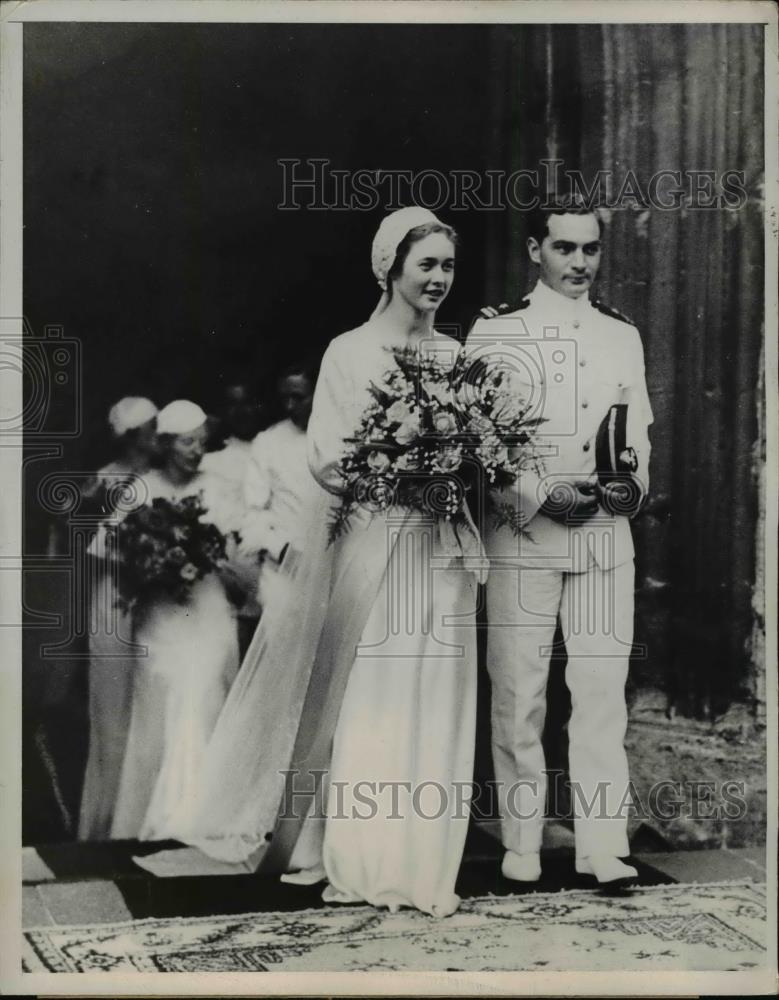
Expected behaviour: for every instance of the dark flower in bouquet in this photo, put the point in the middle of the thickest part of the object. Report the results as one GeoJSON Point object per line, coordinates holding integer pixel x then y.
{"type": "Point", "coordinates": [165, 547]}
{"type": "Point", "coordinates": [432, 435]}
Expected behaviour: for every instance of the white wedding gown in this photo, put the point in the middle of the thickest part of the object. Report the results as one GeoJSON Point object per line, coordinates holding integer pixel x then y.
{"type": "Point", "coordinates": [402, 754]}
{"type": "Point", "coordinates": [179, 686]}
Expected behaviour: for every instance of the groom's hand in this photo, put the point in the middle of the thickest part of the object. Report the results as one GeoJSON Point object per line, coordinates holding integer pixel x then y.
{"type": "Point", "coordinates": [568, 501]}
{"type": "Point", "coordinates": [624, 496]}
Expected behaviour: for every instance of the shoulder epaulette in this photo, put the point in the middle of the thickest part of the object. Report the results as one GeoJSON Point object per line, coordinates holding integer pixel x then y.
{"type": "Point", "coordinates": [503, 309]}
{"type": "Point", "coordinates": [613, 313]}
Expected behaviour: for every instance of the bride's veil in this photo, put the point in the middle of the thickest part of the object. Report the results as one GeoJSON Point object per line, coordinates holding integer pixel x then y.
{"type": "Point", "coordinates": [234, 813]}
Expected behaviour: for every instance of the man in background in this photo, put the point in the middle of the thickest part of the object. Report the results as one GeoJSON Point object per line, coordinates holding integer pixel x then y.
{"type": "Point", "coordinates": [278, 477]}
{"type": "Point", "coordinates": [238, 419]}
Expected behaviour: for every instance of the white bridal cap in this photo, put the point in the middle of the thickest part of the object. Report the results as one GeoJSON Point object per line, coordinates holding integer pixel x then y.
{"type": "Point", "coordinates": [180, 417]}
{"type": "Point", "coordinates": [129, 413]}
{"type": "Point", "coordinates": [390, 235]}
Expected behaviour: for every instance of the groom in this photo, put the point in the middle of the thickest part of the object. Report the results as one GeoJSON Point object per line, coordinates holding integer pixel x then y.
{"type": "Point", "coordinates": [574, 359]}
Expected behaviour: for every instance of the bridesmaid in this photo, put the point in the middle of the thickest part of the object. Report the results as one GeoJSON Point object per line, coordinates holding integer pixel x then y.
{"type": "Point", "coordinates": [191, 657]}
{"type": "Point", "coordinates": [133, 423]}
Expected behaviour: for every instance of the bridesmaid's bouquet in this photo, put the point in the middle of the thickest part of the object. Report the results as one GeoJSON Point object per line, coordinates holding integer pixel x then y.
{"type": "Point", "coordinates": [436, 436]}
{"type": "Point", "coordinates": [165, 547]}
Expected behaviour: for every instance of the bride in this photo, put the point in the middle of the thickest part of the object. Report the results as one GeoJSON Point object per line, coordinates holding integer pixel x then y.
{"type": "Point", "coordinates": [366, 676]}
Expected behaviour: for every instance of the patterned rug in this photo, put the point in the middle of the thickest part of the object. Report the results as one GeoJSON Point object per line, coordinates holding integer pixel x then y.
{"type": "Point", "coordinates": [713, 927]}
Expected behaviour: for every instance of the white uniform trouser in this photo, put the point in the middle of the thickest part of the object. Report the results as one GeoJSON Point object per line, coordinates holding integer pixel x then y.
{"type": "Point", "coordinates": [596, 615]}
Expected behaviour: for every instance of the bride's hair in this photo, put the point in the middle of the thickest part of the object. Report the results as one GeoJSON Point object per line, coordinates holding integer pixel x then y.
{"type": "Point", "coordinates": [414, 236]}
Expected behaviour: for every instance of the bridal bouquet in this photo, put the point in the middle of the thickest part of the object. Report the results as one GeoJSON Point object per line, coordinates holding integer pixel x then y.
{"type": "Point", "coordinates": [164, 547]}
{"type": "Point", "coordinates": [432, 435]}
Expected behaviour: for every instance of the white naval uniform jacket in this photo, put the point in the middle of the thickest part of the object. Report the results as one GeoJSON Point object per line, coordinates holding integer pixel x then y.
{"type": "Point", "coordinates": [573, 359]}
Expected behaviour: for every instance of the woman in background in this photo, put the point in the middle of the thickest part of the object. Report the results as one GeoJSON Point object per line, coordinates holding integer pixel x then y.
{"type": "Point", "coordinates": [133, 422]}
{"type": "Point", "coordinates": [191, 650]}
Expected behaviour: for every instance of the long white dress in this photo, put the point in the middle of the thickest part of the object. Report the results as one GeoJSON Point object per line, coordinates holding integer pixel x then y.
{"type": "Point", "coordinates": [111, 664]}
{"type": "Point", "coordinates": [179, 686]}
{"type": "Point", "coordinates": [403, 746]}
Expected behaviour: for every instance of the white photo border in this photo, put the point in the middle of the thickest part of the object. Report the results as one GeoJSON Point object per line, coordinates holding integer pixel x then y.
{"type": "Point", "coordinates": [13, 16]}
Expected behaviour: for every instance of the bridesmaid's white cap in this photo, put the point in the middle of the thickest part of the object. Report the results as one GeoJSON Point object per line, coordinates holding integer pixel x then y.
{"type": "Point", "coordinates": [129, 413]}
{"type": "Point", "coordinates": [180, 417]}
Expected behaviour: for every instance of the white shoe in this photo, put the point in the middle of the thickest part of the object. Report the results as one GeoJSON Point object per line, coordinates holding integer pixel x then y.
{"type": "Point", "coordinates": [607, 870]}
{"type": "Point", "coordinates": [521, 867]}
{"type": "Point", "coordinates": [306, 876]}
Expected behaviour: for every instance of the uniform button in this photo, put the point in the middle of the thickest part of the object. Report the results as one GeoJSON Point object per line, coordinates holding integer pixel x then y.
{"type": "Point", "coordinates": [585, 404]}
{"type": "Point", "coordinates": [586, 446]}
{"type": "Point", "coordinates": [576, 324]}
{"type": "Point", "coordinates": [582, 363]}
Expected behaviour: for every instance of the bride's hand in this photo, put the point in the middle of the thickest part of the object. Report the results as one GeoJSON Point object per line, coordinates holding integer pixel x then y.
{"type": "Point", "coordinates": [234, 586]}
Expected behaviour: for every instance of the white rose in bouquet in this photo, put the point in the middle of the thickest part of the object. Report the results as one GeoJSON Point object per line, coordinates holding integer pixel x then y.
{"type": "Point", "coordinates": [447, 459]}
{"type": "Point", "coordinates": [408, 430]}
{"type": "Point", "coordinates": [399, 413]}
{"type": "Point", "coordinates": [444, 423]}
{"type": "Point", "coordinates": [378, 462]}
{"type": "Point", "coordinates": [479, 424]}
{"type": "Point", "coordinates": [441, 392]}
